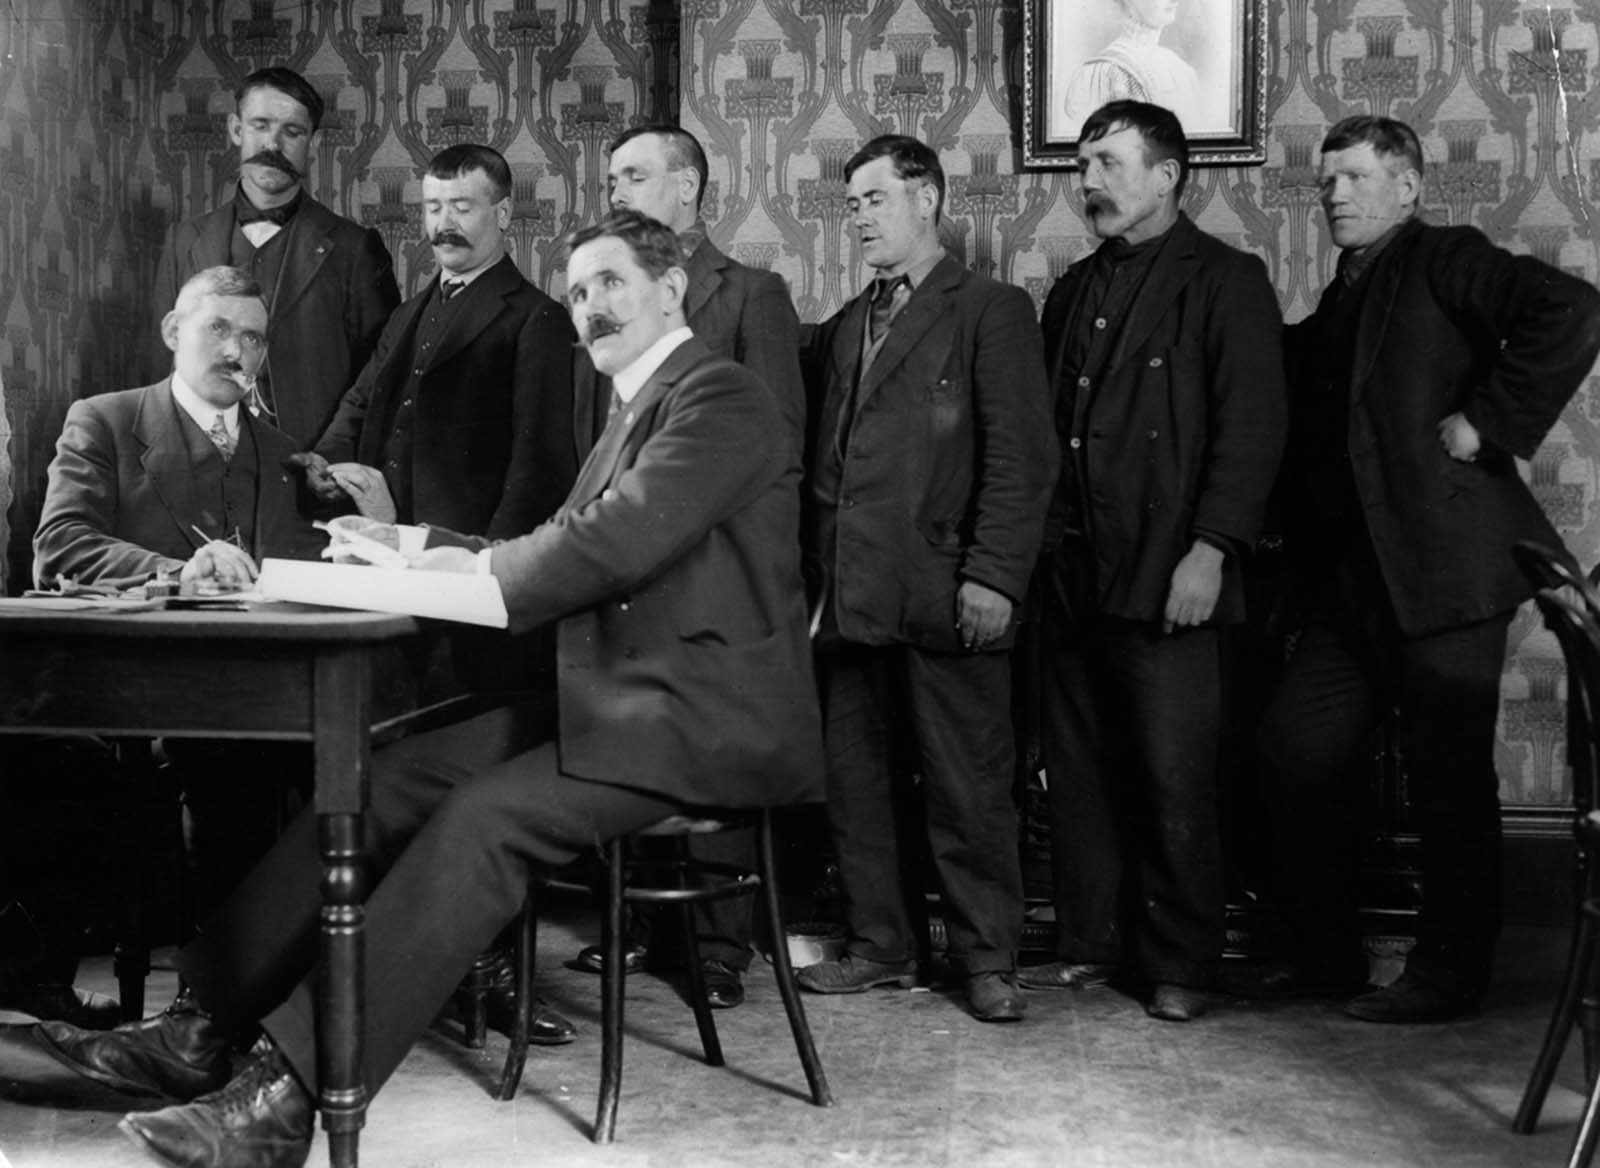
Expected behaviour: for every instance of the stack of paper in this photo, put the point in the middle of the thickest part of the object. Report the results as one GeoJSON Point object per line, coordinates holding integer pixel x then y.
{"type": "Point", "coordinates": [452, 596]}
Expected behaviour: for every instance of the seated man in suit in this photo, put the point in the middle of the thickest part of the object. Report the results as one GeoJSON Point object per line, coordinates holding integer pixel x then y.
{"type": "Point", "coordinates": [177, 479]}
{"type": "Point", "coordinates": [672, 574]}
{"type": "Point", "coordinates": [463, 416]}
{"type": "Point", "coordinates": [174, 477]}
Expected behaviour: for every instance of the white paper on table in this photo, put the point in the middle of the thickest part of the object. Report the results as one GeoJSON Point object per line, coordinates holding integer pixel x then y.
{"type": "Point", "coordinates": [452, 596]}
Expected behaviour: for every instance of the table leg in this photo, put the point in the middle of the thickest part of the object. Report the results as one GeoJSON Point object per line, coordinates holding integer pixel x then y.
{"type": "Point", "coordinates": [341, 714]}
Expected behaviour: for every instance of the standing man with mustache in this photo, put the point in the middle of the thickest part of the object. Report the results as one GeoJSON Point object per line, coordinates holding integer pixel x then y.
{"type": "Point", "coordinates": [1164, 348]}
{"type": "Point", "coordinates": [931, 463]}
{"type": "Point", "coordinates": [329, 282]}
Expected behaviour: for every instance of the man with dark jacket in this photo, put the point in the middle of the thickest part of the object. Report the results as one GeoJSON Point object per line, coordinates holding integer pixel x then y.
{"type": "Point", "coordinates": [931, 458]}
{"type": "Point", "coordinates": [329, 283]}
{"type": "Point", "coordinates": [672, 575]}
{"type": "Point", "coordinates": [463, 416]}
{"type": "Point", "coordinates": [1432, 362]}
{"type": "Point", "coordinates": [1164, 347]}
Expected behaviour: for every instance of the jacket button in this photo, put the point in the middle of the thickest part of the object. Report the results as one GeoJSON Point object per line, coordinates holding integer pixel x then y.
{"type": "Point", "coordinates": [1152, 433]}
{"type": "Point", "coordinates": [1075, 443]}
{"type": "Point", "coordinates": [609, 493]}
{"type": "Point", "coordinates": [624, 605]}
{"type": "Point", "coordinates": [1155, 362]}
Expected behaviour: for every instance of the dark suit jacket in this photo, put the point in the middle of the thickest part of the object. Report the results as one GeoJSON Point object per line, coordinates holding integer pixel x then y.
{"type": "Point", "coordinates": [743, 314]}
{"type": "Point", "coordinates": [950, 460]}
{"type": "Point", "coordinates": [683, 659]}
{"type": "Point", "coordinates": [491, 453]}
{"type": "Point", "coordinates": [334, 291]}
{"type": "Point", "coordinates": [1450, 322]}
{"type": "Point", "coordinates": [120, 502]}
{"type": "Point", "coordinates": [1183, 431]}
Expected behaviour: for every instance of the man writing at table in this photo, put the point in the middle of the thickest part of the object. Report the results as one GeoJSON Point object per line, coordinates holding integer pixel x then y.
{"type": "Point", "coordinates": [176, 477]}
{"type": "Point", "coordinates": [672, 575]}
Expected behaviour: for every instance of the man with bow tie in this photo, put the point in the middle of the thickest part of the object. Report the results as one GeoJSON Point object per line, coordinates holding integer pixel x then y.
{"type": "Point", "coordinates": [931, 461]}
{"type": "Point", "coordinates": [329, 283]}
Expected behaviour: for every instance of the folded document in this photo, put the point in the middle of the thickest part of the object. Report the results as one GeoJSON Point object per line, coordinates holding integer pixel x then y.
{"type": "Point", "coordinates": [452, 596]}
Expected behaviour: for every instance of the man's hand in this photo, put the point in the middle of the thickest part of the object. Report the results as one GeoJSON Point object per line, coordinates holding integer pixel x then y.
{"type": "Point", "coordinates": [367, 487]}
{"type": "Point", "coordinates": [1459, 438]}
{"type": "Point", "coordinates": [1196, 584]}
{"type": "Point", "coordinates": [982, 615]}
{"type": "Point", "coordinates": [446, 559]}
{"type": "Point", "coordinates": [318, 477]}
{"type": "Point", "coordinates": [219, 563]}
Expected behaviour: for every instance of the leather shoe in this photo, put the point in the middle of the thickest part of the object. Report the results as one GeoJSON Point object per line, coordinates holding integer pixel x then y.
{"type": "Point", "coordinates": [178, 1054]}
{"type": "Point", "coordinates": [852, 974]}
{"type": "Point", "coordinates": [592, 959]}
{"type": "Point", "coordinates": [724, 985]}
{"type": "Point", "coordinates": [262, 1119]}
{"type": "Point", "coordinates": [994, 997]}
{"type": "Point", "coordinates": [1176, 1003]}
{"type": "Point", "coordinates": [546, 1026]}
{"type": "Point", "coordinates": [1411, 998]}
{"type": "Point", "coordinates": [1066, 975]}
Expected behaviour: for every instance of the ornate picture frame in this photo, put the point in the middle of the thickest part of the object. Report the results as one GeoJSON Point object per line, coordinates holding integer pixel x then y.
{"type": "Point", "coordinates": [1204, 59]}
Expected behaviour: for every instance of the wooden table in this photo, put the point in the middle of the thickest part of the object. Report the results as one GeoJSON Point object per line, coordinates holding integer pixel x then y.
{"type": "Point", "coordinates": [286, 672]}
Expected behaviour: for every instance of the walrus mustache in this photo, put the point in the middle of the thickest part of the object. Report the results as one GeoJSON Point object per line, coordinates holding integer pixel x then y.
{"type": "Point", "coordinates": [1100, 204]}
{"type": "Point", "coordinates": [271, 157]}
{"type": "Point", "coordinates": [454, 238]}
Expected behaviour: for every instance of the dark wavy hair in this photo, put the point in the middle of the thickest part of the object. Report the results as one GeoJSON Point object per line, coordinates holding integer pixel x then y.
{"type": "Point", "coordinates": [1157, 125]}
{"type": "Point", "coordinates": [653, 244]}
{"type": "Point", "coordinates": [913, 160]}
{"type": "Point", "coordinates": [287, 82]}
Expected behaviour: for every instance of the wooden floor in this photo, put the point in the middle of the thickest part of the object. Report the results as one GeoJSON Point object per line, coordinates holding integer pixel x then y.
{"type": "Point", "coordinates": [1087, 1079]}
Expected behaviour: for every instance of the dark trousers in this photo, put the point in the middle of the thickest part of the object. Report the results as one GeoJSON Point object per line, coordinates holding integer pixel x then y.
{"type": "Point", "coordinates": [1130, 735]}
{"type": "Point", "coordinates": [947, 715]}
{"type": "Point", "coordinates": [458, 820]}
{"type": "Point", "coordinates": [1351, 669]}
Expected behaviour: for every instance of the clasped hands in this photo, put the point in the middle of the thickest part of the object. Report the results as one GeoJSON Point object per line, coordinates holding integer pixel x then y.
{"type": "Point", "coordinates": [365, 486]}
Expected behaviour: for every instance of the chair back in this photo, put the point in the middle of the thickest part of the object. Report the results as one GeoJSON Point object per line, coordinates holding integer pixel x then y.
{"type": "Point", "coordinates": [1578, 633]}
{"type": "Point", "coordinates": [1547, 567]}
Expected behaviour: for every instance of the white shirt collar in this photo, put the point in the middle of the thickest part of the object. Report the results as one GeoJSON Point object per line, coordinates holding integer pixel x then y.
{"type": "Point", "coordinates": [202, 411]}
{"type": "Point", "coordinates": [631, 380]}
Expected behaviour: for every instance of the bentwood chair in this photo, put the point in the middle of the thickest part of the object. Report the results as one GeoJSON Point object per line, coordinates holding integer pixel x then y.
{"type": "Point", "coordinates": [1547, 567]}
{"type": "Point", "coordinates": [634, 878]}
{"type": "Point", "coordinates": [1578, 1002]}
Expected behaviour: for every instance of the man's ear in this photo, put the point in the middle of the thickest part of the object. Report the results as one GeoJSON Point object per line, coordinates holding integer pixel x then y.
{"type": "Point", "coordinates": [690, 181]}
{"type": "Point", "coordinates": [677, 282]}
{"type": "Point", "coordinates": [169, 329]}
{"type": "Point", "coordinates": [502, 213]}
{"type": "Point", "coordinates": [235, 130]}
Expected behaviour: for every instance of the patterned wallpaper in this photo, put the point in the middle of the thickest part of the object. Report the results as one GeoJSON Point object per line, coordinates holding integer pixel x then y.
{"type": "Point", "coordinates": [113, 123]}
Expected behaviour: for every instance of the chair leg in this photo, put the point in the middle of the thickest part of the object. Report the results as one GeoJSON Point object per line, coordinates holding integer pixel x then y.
{"type": "Point", "coordinates": [526, 956]}
{"type": "Point", "coordinates": [612, 980]}
{"type": "Point", "coordinates": [1588, 1134]}
{"type": "Point", "coordinates": [471, 1000]}
{"type": "Point", "coordinates": [709, 1040]}
{"type": "Point", "coordinates": [821, 1095]}
{"type": "Point", "coordinates": [1580, 958]}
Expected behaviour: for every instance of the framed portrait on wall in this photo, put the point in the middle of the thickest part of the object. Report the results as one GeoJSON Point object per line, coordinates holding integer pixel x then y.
{"type": "Point", "coordinates": [1203, 59]}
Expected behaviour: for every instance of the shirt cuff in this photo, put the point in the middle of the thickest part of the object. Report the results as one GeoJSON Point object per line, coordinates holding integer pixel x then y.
{"type": "Point", "coordinates": [486, 562]}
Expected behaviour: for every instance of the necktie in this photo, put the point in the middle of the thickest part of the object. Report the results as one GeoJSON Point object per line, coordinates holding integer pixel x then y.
{"type": "Point", "coordinates": [886, 296]}
{"type": "Point", "coordinates": [450, 287]}
{"type": "Point", "coordinates": [220, 438]}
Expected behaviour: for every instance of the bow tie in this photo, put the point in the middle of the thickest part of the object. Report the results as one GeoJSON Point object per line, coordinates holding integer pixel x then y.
{"type": "Point", "coordinates": [247, 212]}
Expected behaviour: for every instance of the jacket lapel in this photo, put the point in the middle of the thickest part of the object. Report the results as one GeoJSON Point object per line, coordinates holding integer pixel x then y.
{"type": "Point", "coordinates": [929, 304]}
{"type": "Point", "coordinates": [601, 466]}
{"type": "Point", "coordinates": [704, 269]}
{"type": "Point", "coordinates": [213, 241]}
{"type": "Point", "coordinates": [165, 456]}
{"type": "Point", "coordinates": [1377, 307]}
{"type": "Point", "coordinates": [477, 311]}
{"type": "Point", "coordinates": [308, 247]}
{"type": "Point", "coordinates": [1174, 266]}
